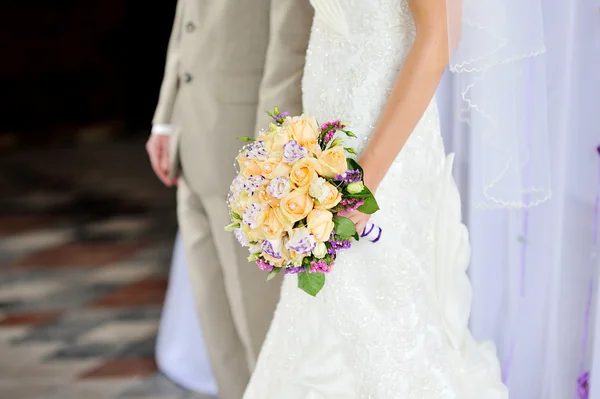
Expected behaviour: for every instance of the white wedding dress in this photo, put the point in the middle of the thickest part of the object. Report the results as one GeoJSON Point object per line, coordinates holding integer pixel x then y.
{"type": "Point", "coordinates": [391, 321]}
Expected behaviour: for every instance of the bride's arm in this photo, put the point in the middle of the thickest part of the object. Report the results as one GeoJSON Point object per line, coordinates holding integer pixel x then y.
{"type": "Point", "coordinates": [413, 90]}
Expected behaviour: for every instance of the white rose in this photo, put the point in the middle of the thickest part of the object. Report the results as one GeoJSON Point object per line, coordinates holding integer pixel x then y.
{"type": "Point", "coordinates": [279, 187]}
{"type": "Point", "coordinates": [319, 190]}
{"type": "Point", "coordinates": [320, 250]}
{"type": "Point", "coordinates": [255, 248]}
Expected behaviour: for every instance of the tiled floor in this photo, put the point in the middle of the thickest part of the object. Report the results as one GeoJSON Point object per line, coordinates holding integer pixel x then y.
{"type": "Point", "coordinates": [85, 245]}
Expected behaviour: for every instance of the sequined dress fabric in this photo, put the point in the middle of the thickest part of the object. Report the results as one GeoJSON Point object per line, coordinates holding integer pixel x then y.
{"type": "Point", "coordinates": [391, 321]}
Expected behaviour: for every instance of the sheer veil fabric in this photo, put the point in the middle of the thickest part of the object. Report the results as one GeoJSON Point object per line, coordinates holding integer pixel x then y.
{"type": "Point", "coordinates": [497, 52]}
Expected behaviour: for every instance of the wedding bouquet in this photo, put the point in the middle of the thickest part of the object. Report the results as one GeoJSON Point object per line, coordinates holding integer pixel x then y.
{"type": "Point", "coordinates": [288, 201]}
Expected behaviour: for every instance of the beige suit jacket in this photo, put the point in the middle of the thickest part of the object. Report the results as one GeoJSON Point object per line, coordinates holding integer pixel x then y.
{"type": "Point", "coordinates": [221, 78]}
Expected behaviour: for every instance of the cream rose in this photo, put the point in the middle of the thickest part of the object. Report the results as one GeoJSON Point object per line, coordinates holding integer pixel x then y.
{"type": "Point", "coordinates": [305, 130]}
{"type": "Point", "coordinates": [320, 224]}
{"type": "Point", "coordinates": [305, 171]}
{"type": "Point", "coordinates": [333, 161]}
{"type": "Point", "coordinates": [331, 198]}
{"type": "Point", "coordinates": [296, 205]}
{"type": "Point", "coordinates": [254, 235]}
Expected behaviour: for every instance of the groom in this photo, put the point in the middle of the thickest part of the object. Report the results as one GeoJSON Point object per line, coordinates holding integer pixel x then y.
{"type": "Point", "coordinates": [227, 63]}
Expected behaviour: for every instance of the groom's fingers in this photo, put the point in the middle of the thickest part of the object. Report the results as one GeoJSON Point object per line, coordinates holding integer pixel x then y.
{"type": "Point", "coordinates": [157, 148]}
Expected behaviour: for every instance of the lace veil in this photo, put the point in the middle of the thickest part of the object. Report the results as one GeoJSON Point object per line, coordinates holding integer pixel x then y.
{"type": "Point", "coordinates": [497, 57]}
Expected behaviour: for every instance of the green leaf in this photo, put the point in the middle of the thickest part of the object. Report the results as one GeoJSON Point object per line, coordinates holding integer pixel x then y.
{"type": "Point", "coordinates": [344, 226]}
{"type": "Point", "coordinates": [311, 283]}
{"type": "Point", "coordinates": [353, 165]}
{"type": "Point", "coordinates": [245, 138]}
{"type": "Point", "coordinates": [350, 150]}
{"type": "Point", "coordinates": [253, 257]}
{"type": "Point", "coordinates": [236, 217]}
{"type": "Point", "coordinates": [356, 236]}
{"type": "Point", "coordinates": [273, 273]}
{"type": "Point", "coordinates": [370, 206]}
{"type": "Point", "coordinates": [337, 141]}
{"type": "Point", "coordinates": [232, 226]}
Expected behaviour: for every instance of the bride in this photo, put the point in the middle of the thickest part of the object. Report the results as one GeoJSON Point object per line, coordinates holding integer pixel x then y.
{"type": "Point", "coordinates": [391, 321]}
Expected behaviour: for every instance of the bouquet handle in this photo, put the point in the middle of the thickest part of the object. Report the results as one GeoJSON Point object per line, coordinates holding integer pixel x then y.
{"type": "Point", "coordinates": [371, 232]}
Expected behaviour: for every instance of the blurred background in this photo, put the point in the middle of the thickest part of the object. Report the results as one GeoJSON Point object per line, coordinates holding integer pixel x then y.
{"type": "Point", "coordinates": [86, 230]}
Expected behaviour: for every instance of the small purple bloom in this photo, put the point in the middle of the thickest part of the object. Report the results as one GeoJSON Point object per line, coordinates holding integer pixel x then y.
{"type": "Point", "coordinates": [294, 270]}
{"type": "Point", "coordinates": [264, 266]}
{"type": "Point", "coordinates": [320, 266]}
{"type": "Point", "coordinates": [350, 176]}
{"type": "Point", "coordinates": [583, 385]}
{"type": "Point", "coordinates": [293, 152]}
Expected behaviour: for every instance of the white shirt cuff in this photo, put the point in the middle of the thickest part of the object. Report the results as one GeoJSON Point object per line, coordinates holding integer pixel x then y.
{"type": "Point", "coordinates": [162, 129]}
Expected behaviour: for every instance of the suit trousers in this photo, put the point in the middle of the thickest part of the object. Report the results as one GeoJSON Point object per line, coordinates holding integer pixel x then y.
{"type": "Point", "coordinates": [234, 303]}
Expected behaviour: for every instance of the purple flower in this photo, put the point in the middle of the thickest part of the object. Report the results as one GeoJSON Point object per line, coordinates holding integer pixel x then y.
{"type": "Point", "coordinates": [583, 386]}
{"type": "Point", "coordinates": [350, 176]}
{"type": "Point", "coordinates": [253, 183]}
{"type": "Point", "coordinates": [336, 245]}
{"type": "Point", "coordinates": [301, 241]}
{"type": "Point", "coordinates": [257, 151]}
{"type": "Point", "coordinates": [294, 270]}
{"type": "Point", "coordinates": [330, 128]}
{"type": "Point", "coordinates": [264, 266]}
{"type": "Point", "coordinates": [293, 152]}
{"type": "Point", "coordinates": [320, 266]}
{"type": "Point", "coordinates": [241, 237]}
{"type": "Point", "coordinates": [251, 215]}
{"type": "Point", "coordinates": [350, 204]}
{"type": "Point", "coordinates": [272, 248]}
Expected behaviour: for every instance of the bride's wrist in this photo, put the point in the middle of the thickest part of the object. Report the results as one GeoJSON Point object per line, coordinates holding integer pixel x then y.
{"type": "Point", "coordinates": [370, 177]}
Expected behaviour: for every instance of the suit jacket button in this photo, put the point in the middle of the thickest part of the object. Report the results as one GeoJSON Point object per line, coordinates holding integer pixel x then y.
{"type": "Point", "coordinates": [187, 78]}
{"type": "Point", "coordinates": [190, 27]}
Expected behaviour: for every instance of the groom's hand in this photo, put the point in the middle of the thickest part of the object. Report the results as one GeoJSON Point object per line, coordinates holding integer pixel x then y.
{"type": "Point", "coordinates": [157, 147]}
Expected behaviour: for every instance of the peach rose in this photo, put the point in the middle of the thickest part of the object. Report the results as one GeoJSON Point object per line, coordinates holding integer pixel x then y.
{"type": "Point", "coordinates": [320, 224]}
{"type": "Point", "coordinates": [280, 138]}
{"type": "Point", "coordinates": [296, 205]}
{"type": "Point", "coordinates": [266, 198]}
{"type": "Point", "coordinates": [305, 130]}
{"type": "Point", "coordinates": [274, 261]}
{"type": "Point", "coordinates": [305, 171]}
{"type": "Point", "coordinates": [274, 167]}
{"type": "Point", "coordinates": [333, 161]}
{"type": "Point", "coordinates": [272, 227]}
{"type": "Point", "coordinates": [249, 167]}
{"type": "Point", "coordinates": [331, 197]}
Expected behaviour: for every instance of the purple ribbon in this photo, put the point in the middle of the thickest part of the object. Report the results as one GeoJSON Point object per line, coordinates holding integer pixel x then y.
{"type": "Point", "coordinates": [371, 232]}
{"type": "Point", "coordinates": [583, 393]}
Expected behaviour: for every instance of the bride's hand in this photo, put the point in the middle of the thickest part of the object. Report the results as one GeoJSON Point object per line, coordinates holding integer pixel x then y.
{"type": "Point", "coordinates": [360, 220]}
